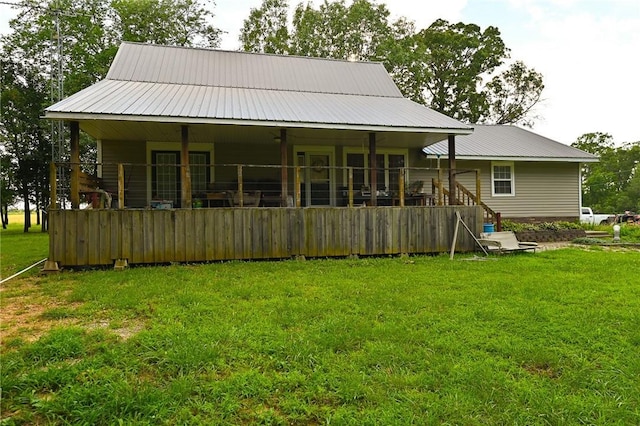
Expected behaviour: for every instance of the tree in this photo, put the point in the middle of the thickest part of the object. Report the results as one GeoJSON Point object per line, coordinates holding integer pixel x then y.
{"type": "Point", "coordinates": [444, 66]}
{"type": "Point", "coordinates": [23, 134]}
{"type": "Point", "coordinates": [512, 95]}
{"type": "Point", "coordinates": [266, 28]}
{"type": "Point", "coordinates": [333, 30]}
{"type": "Point", "coordinates": [74, 42]}
{"type": "Point", "coordinates": [7, 189]}
{"type": "Point", "coordinates": [612, 184]}
{"type": "Point", "coordinates": [456, 57]}
{"type": "Point", "coordinates": [168, 22]}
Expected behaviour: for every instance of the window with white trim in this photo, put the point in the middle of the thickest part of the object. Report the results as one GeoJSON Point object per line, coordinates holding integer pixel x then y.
{"type": "Point", "coordinates": [502, 181]}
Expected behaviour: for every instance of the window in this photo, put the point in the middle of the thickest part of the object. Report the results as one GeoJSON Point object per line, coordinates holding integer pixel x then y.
{"type": "Point", "coordinates": [388, 166]}
{"type": "Point", "coordinates": [165, 175]}
{"type": "Point", "coordinates": [502, 182]}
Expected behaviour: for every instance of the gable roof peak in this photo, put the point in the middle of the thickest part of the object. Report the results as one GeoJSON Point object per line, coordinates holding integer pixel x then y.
{"type": "Point", "coordinates": [153, 63]}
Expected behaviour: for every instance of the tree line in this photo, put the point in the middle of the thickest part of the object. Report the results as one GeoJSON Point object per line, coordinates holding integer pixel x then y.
{"type": "Point", "coordinates": [613, 184]}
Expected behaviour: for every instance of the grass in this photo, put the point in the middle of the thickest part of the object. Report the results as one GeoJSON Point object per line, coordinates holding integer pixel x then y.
{"type": "Point", "coordinates": [545, 338]}
{"type": "Point", "coordinates": [18, 249]}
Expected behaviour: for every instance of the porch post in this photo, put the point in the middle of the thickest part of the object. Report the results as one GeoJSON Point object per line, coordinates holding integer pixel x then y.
{"type": "Point", "coordinates": [373, 175]}
{"type": "Point", "coordinates": [185, 170]}
{"type": "Point", "coordinates": [452, 170]}
{"type": "Point", "coordinates": [284, 163]}
{"type": "Point", "coordinates": [75, 165]}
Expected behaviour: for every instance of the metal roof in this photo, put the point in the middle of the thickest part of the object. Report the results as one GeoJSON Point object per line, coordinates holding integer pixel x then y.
{"type": "Point", "coordinates": [219, 68]}
{"type": "Point", "coordinates": [177, 84]}
{"type": "Point", "coordinates": [506, 142]}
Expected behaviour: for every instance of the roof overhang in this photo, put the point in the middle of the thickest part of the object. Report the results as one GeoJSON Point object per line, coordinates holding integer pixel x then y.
{"type": "Point", "coordinates": [234, 122]}
{"type": "Point", "coordinates": [203, 130]}
{"type": "Point", "coordinates": [521, 159]}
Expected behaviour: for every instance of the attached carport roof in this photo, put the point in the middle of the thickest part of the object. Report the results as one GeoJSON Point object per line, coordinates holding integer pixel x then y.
{"type": "Point", "coordinates": [160, 84]}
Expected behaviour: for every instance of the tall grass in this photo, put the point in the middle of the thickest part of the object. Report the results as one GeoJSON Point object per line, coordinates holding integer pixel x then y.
{"type": "Point", "coordinates": [545, 338]}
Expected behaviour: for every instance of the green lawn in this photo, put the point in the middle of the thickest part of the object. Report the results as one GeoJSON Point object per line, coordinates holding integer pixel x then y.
{"type": "Point", "coordinates": [545, 338]}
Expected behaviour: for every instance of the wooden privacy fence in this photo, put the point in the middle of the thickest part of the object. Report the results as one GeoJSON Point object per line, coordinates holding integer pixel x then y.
{"type": "Point", "coordinates": [101, 237]}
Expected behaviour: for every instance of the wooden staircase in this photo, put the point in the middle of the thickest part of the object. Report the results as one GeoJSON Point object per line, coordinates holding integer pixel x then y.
{"type": "Point", "coordinates": [463, 197]}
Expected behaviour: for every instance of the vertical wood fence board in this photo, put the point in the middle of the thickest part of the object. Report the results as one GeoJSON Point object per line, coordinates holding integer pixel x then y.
{"type": "Point", "coordinates": [238, 234]}
{"type": "Point", "coordinates": [295, 234]}
{"type": "Point", "coordinates": [137, 238]}
{"type": "Point", "coordinates": [219, 236]}
{"type": "Point", "coordinates": [209, 234]}
{"type": "Point", "coordinates": [71, 235]}
{"type": "Point", "coordinates": [148, 237]}
{"type": "Point", "coordinates": [158, 248]}
{"type": "Point", "coordinates": [94, 237]}
{"type": "Point", "coordinates": [277, 236]}
{"type": "Point", "coordinates": [126, 232]}
{"type": "Point", "coordinates": [106, 252]}
{"type": "Point", "coordinates": [180, 231]}
{"type": "Point", "coordinates": [189, 235]}
{"type": "Point", "coordinates": [228, 239]}
{"type": "Point", "coordinates": [200, 234]}
{"type": "Point", "coordinates": [168, 231]}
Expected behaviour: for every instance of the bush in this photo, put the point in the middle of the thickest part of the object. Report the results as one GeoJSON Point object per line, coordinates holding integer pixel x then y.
{"type": "Point", "coordinates": [509, 225]}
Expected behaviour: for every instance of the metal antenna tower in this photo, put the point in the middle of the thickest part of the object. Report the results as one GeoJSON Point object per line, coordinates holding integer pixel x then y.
{"type": "Point", "coordinates": [57, 93]}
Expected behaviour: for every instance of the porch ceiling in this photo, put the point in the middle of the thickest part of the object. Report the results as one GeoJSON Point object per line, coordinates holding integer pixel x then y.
{"type": "Point", "coordinates": [240, 134]}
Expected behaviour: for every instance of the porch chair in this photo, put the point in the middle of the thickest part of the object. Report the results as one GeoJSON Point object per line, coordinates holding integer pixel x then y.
{"type": "Point", "coordinates": [504, 242]}
{"type": "Point", "coordinates": [249, 199]}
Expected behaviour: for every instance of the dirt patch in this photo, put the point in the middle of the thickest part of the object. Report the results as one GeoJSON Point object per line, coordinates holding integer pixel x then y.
{"type": "Point", "coordinates": [22, 306]}
{"type": "Point", "coordinates": [27, 314]}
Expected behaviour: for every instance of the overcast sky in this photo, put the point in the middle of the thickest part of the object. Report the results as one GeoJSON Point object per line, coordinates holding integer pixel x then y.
{"type": "Point", "coordinates": [587, 50]}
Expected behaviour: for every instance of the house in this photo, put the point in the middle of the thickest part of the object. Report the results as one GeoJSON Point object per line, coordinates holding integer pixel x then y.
{"type": "Point", "coordinates": [285, 147]}
{"type": "Point", "coordinates": [524, 176]}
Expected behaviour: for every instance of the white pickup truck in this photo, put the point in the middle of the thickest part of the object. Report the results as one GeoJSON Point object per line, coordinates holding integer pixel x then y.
{"type": "Point", "coordinates": [587, 216]}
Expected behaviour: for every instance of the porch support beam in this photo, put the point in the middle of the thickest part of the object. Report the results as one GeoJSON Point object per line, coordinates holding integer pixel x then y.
{"type": "Point", "coordinates": [75, 165]}
{"type": "Point", "coordinates": [284, 178]}
{"type": "Point", "coordinates": [373, 176]}
{"type": "Point", "coordinates": [185, 170]}
{"type": "Point", "coordinates": [452, 170]}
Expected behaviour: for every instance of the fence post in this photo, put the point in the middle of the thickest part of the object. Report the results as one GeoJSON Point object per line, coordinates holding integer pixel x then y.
{"type": "Point", "coordinates": [240, 186]}
{"type": "Point", "coordinates": [297, 185]}
{"type": "Point", "coordinates": [350, 185]}
{"type": "Point", "coordinates": [478, 187]}
{"type": "Point", "coordinates": [120, 186]}
{"type": "Point", "coordinates": [401, 186]}
{"type": "Point", "coordinates": [440, 188]}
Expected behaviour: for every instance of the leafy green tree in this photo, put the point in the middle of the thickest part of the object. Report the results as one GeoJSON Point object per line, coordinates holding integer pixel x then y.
{"type": "Point", "coordinates": [457, 56]}
{"type": "Point", "coordinates": [444, 66]}
{"type": "Point", "coordinates": [169, 22]}
{"type": "Point", "coordinates": [513, 94]}
{"type": "Point", "coordinates": [23, 135]}
{"type": "Point", "coordinates": [612, 184]}
{"type": "Point", "coordinates": [75, 41]}
{"type": "Point", "coordinates": [265, 30]}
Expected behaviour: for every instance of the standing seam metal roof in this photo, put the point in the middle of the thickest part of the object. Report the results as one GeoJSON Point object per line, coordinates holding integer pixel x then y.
{"type": "Point", "coordinates": [174, 83]}
{"type": "Point", "coordinates": [506, 141]}
{"type": "Point", "coordinates": [204, 67]}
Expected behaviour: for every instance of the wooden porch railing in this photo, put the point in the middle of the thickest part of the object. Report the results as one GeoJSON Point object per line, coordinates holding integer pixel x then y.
{"type": "Point", "coordinates": [463, 196]}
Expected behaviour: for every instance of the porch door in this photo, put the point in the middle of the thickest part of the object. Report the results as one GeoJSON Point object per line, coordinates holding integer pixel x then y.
{"type": "Point", "coordinates": [166, 182]}
{"type": "Point", "coordinates": [166, 176]}
{"type": "Point", "coordinates": [318, 181]}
